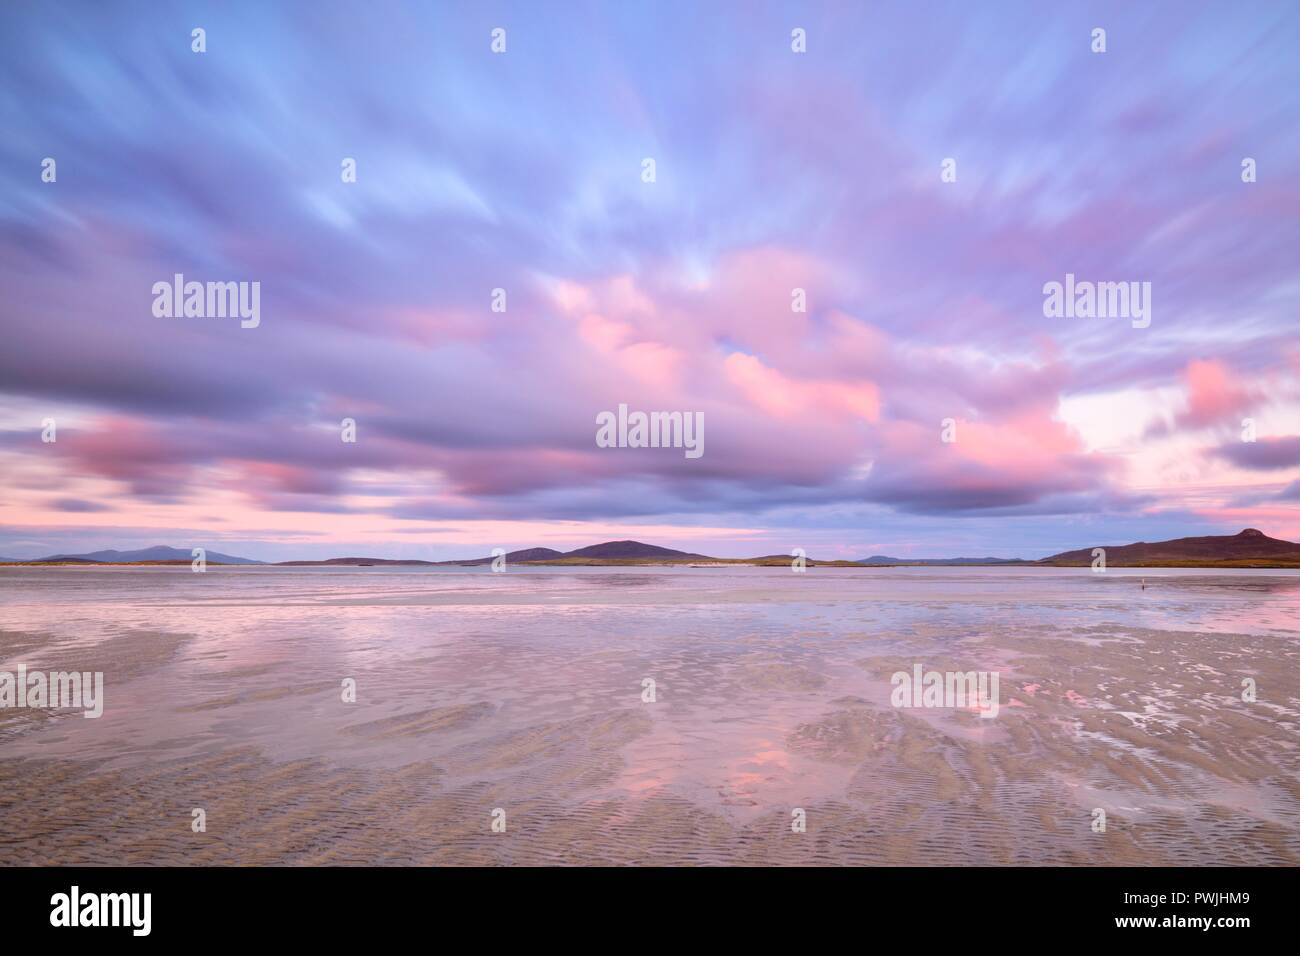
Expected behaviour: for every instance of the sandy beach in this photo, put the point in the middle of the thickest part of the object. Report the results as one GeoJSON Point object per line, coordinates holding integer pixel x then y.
{"type": "Point", "coordinates": [525, 692]}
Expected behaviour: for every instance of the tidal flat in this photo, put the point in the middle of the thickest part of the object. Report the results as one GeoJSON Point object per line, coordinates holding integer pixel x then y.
{"type": "Point", "coordinates": [527, 692]}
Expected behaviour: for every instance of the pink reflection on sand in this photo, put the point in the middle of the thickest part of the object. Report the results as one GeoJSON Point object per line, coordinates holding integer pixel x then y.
{"type": "Point", "coordinates": [741, 765]}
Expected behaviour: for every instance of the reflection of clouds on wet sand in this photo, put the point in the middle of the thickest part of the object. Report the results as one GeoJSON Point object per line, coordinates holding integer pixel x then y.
{"type": "Point", "coordinates": [771, 693]}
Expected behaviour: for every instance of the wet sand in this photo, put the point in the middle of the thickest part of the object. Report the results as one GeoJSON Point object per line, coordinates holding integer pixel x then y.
{"type": "Point", "coordinates": [523, 691]}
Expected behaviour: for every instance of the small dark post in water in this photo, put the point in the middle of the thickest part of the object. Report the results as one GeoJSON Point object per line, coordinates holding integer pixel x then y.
{"type": "Point", "coordinates": [1144, 584]}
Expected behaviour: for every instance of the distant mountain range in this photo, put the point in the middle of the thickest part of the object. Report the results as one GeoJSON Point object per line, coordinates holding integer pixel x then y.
{"type": "Point", "coordinates": [357, 563]}
{"type": "Point", "coordinates": [614, 552]}
{"type": "Point", "coordinates": [1248, 548]}
{"type": "Point", "coordinates": [951, 562]}
{"type": "Point", "coordinates": [158, 552]}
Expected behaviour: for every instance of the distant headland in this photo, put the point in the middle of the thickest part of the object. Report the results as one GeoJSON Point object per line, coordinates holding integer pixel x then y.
{"type": "Point", "coordinates": [1249, 548]}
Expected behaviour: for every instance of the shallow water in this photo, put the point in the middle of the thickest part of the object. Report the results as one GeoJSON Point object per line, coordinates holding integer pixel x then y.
{"type": "Point", "coordinates": [523, 691]}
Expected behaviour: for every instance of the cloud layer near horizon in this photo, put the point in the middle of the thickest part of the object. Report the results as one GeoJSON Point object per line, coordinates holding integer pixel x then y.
{"type": "Point", "coordinates": [775, 171]}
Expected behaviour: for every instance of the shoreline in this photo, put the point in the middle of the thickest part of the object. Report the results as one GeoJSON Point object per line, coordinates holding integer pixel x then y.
{"type": "Point", "coordinates": [1242, 564]}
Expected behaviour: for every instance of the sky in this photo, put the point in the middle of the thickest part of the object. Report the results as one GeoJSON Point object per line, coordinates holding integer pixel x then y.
{"type": "Point", "coordinates": [920, 171]}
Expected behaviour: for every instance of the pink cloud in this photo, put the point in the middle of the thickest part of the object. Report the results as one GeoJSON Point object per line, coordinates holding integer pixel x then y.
{"type": "Point", "coordinates": [1213, 394]}
{"type": "Point", "coordinates": [784, 397]}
